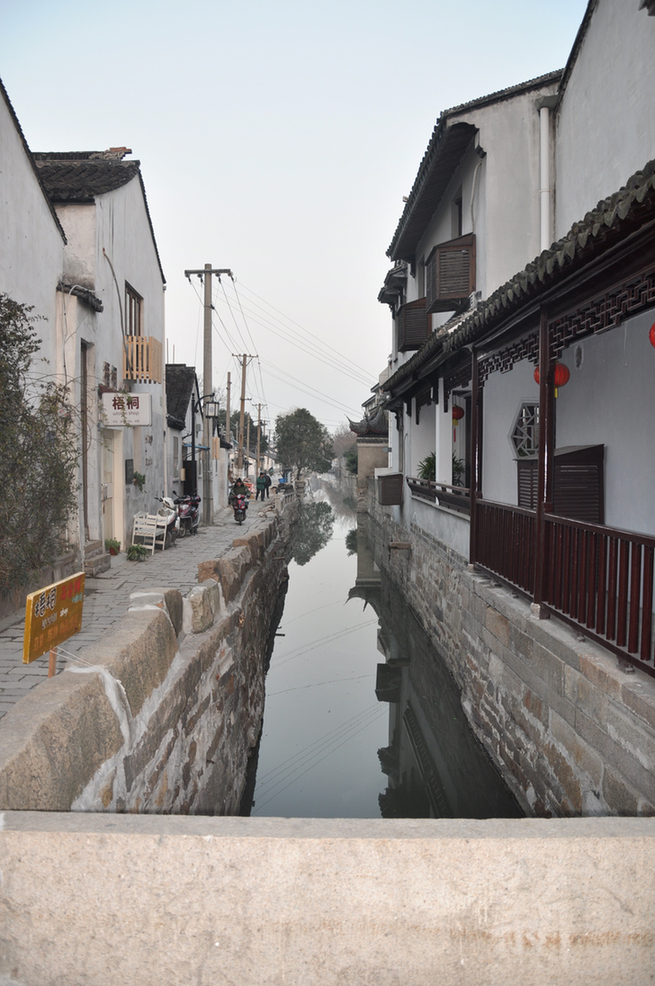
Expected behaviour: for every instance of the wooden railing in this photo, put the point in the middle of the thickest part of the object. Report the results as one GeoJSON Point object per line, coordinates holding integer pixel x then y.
{"type": "Point", "coordinates": [452, 497]}
{"type": "Point", "coordinates": [601, 579]}
{"type": "Point", "coordinates": [596, 578]}
{"type": "Point", "coordinates": [506, 543]}
{"type": "Point", "coordinates": [142, 359]}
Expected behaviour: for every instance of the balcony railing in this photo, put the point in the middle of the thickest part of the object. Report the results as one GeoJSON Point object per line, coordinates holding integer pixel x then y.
{"type": "Point", "coordinates": [601, 579]}
{"type": "Point", "coordinates": [596, 578]}
{"type": "Point", "coordinates": [142, 359]}
{"type": "Point", "coordinates": [505, 543]}
{"type": "Point", "coordinates": [452, 497]}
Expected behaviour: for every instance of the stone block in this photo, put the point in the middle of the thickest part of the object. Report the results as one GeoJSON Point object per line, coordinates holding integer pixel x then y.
{"type": "Point", "coordinates": [638, 695]}
{"type": "Point", "coordinates": [617, 757]}
{"type": "Point", "coordinates": [592, 700]}
{"type": "Point", "coordinates": [580, 752]}
{"type": "Point", "coordinates": [138, 650]}
{"type": "Point", "coordinates": [254, 541]}
{"type": "Point", "coordinates": [168, 599]}
{"type": "Point", "coordinates": [621, 799]}
{"type": "Point", "coordinates": [201, 615]}
{"type": "Point", "coordinates": [602, 669]}
{"type": "Point", "coordinates": [558, 638]}
{"type": "Point", "coordinates": [548, 667]}
{"type": "Point", "coordinates": [54, 740]}
{"type": "Point", "coordinates": [633, 736]}
{"type": "Point", "coordinates": [213, 595]}
{"type": "Point", "coordinates": [497, 625]}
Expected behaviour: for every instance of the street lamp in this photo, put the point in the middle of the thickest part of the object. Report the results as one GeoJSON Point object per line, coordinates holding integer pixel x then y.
{"type": "Point", "coordinates": [209, 407]}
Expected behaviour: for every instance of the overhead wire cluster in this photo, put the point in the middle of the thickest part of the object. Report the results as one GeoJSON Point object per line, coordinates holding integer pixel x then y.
{"type": "Point", "coordinates": [286, 329]}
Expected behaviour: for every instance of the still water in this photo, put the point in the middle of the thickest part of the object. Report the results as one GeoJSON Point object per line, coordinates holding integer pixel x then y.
{"type": "Point", "coordinates": [362, 719]}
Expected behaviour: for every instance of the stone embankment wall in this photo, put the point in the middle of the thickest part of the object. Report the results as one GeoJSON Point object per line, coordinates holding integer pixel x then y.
{"type": "Point", "coordinates": [571, 733]}
{"type": "Point", "coordinates": [169, 704]}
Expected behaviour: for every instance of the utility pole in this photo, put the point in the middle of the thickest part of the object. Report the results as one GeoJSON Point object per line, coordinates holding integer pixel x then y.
{"type": "Point", "coordinates": [259, 436]}
{"type": "Point", "coordinates": [227, 410]}
{"type": "Point", "coordinates": [248, 447]}
{"type": "Point", "coordinates": [206, 273]}
{"type": "Point", "coordinates": [243, 357]}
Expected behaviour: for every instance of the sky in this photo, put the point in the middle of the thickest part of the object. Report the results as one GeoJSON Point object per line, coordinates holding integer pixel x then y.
{"type": "Point", "coordinates": [276, 139]}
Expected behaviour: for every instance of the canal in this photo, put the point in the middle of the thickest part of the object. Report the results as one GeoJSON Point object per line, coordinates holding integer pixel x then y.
{"type": "Point", "coordinates": [362, 718]}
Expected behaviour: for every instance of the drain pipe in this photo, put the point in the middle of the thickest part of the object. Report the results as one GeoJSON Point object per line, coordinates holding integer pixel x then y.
{"type": "Point", "coordinates": [544, 105]}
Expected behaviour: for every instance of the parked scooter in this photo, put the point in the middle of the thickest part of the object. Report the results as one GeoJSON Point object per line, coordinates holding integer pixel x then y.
{"type": "Point", "coordinates": [189, 510]}
{"type": "Point", "coordinates": [169, 513]}
{"type": "Point", "coordinates": [240, 505]}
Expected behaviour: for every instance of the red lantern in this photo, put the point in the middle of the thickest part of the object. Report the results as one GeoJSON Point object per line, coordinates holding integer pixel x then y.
{"type": "Point", "coordinates": [458, 413]}
{"type": "Point", "coordinates": [562, 375]}
{"type": "Point", "coordinates": [651, 334]}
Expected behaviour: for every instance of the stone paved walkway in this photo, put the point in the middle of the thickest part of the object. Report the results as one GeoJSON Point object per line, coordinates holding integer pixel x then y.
{"type": "Point", "coordinates": [107, 598]}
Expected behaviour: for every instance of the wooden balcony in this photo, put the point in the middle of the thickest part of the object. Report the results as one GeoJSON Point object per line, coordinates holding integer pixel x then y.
{"type": "Point", "coordinates": [142, 359]}
{"type": "Point", "coordinates": [452, 497]}
{"type": "Point", "coordinates": [596, 578]}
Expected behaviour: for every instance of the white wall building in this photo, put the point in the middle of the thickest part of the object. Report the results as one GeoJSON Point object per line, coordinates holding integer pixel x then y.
{"type": "Point", "coordinates": [110, 333]}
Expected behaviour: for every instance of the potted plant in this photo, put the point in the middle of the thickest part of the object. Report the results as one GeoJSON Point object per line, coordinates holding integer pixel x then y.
{"type": "Point", "coordinates": [138, 480]}
{"type": "Point", "coordinates": [112, 546]}
{"type": "Point", "coordinates": [136, 552]}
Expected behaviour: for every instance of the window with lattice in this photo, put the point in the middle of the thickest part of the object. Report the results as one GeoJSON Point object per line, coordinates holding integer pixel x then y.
{"type": "Point", "coordinates": [525, 434]}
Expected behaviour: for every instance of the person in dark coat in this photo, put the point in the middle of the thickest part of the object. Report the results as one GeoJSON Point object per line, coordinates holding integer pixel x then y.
{"type": "Point", "coordinates": [268, 480]}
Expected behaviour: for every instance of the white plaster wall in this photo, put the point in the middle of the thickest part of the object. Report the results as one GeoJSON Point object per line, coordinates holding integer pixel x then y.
{"type": "Point", "coordinates": [79, 256]}
{"type": "Point", "coordinates": [422, 437]}
{"type": "Point", "coordinates": [506, 207]}
{"type": "Point", "coordinates": [610, 400]}
{"type": "Point", "coordinates": [118, 224]}
{"type": "Point", "coordinates": [447, 526]}
{"type": "Point", "coordinates": [503, 395]}
{"type": "Point", "coordinates": [605, 123]}
{"type": "Point", "coordinates": [31, 245]}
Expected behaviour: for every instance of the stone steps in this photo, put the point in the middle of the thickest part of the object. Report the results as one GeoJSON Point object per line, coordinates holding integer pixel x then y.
{"type": "Point", "coordinates": [96, 559]}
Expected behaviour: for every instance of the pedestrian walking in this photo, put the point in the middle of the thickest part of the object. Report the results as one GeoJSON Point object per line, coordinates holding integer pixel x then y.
{"type": "Point", "coordinates": [268, 481]}
{"type": "Point", "coordinates": [261, 486]}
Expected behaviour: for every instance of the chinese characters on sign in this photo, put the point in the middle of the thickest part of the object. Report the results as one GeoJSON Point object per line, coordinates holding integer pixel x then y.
{"type": "Point", "coordinates": [121, 409]}
{"type": "Point", "coordinates": [52, 615]}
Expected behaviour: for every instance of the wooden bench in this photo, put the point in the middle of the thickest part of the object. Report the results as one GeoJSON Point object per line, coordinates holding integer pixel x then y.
{"type": "Point", "coordinates": [150, 529]}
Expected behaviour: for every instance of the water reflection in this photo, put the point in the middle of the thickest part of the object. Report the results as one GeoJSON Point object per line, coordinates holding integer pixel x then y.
{"type": "Point", "coordinates": [344, 734]}
{"type": "Point", "coordinates": [313, 531]}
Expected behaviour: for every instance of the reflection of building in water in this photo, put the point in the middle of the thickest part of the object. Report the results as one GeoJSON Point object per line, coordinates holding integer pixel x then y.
{"type": "Point", "coordinates": [434, 765]}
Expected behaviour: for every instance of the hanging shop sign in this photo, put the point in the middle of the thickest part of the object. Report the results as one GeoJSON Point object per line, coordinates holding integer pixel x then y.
{"type": "Point", "coordinates": [52, 615]}
{"type": "Point", "coordinates": [120, 410]}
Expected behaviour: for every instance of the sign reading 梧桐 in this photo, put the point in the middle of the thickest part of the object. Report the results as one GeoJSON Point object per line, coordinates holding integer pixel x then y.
{"type": "Point", "coordinates": [120, 409]}
{"type": "Point", "coordinates": [52, 615]}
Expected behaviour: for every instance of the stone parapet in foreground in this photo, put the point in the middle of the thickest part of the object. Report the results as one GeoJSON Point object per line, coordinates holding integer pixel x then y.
{"type": "Point", "coordinates": [88, 900]}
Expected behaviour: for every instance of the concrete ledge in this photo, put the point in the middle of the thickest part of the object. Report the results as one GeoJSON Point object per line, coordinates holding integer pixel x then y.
{"type": "Point", "coordinates": [309, 902]}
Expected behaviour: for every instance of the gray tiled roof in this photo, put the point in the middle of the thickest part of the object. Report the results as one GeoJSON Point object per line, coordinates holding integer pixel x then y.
{"type": "Point", "coordinates": [612, 219]}
{"type": "Point", "coordinates": [74, 177]}
{"type": "Point", "coordinates": [450, 138]}
{"type": "Point", "coordinates": [78, 176]}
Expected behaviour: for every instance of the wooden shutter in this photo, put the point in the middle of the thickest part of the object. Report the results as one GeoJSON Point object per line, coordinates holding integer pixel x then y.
{"type": "Point", "coordinates": [413, 325]}
{"type": "Point", "coordinates": [578, 483]}
{"type": "Point", "coordinates": [390, 490]}
{"type": "Point", "coordinates": [450, 274]}
{"type": "Point", "coordinates": [527, 483]}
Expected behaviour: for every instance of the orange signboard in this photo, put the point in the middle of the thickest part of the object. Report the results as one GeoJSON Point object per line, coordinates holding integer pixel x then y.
{"type": "Point", "coordinates": [52, 615]}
